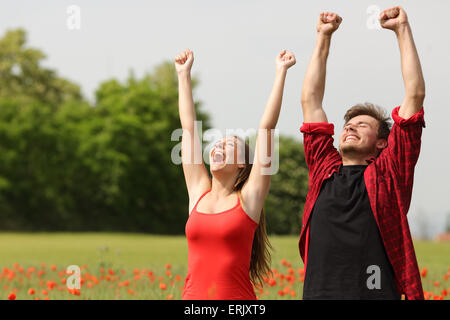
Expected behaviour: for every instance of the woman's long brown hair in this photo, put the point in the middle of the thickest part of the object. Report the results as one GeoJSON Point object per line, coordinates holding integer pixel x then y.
{"type": "Point", "coordinates": [260, 258]}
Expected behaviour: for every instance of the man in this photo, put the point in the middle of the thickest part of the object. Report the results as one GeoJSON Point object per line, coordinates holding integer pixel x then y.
{"type": "Point", "coordinates": [355, 239]}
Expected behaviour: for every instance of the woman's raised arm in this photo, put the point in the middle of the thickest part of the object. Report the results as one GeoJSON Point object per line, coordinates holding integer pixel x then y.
{"type": "Point", "coordinates": [257, 186]}
{"type": "Point", "coordinates": [195, 173]}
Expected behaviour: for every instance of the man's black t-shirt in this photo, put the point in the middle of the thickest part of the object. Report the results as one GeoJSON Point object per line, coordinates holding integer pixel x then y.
{"type": "Point", "coordinates": [346, 256]}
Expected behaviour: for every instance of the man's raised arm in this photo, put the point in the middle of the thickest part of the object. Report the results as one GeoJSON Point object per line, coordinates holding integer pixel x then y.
{"type": "Point", "coordinates": [314, 83]}
{"type": "Point", "coordinates": [396, 20]}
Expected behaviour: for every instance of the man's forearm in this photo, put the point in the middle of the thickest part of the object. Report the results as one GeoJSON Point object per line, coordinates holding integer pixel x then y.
{"type": "Point", "coordinates": [396, 20]}
{"type": "Point", "coordinates": [411, 68]}
{"type": "Point", "coordinates": [314, 83]}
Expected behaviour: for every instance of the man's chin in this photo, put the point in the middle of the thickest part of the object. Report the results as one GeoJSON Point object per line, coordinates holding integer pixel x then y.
{"type": "Point", "coordinates": [349, 149]}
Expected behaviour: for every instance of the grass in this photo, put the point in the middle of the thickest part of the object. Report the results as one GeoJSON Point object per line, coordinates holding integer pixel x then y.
{"type": "Point", "coordinates": [140, 251]}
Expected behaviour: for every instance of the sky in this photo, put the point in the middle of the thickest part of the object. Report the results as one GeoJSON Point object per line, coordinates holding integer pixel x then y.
{"type": "Point", "coordinates": [235, 44]}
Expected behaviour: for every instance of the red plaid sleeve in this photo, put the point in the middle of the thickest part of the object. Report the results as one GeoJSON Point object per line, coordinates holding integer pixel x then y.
{"type": "Point", "coordinates": [401, 155]}
{"type": "Point", "coordinates": [318, 145]}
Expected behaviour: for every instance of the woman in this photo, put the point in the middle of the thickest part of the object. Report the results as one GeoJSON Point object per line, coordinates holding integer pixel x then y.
{"type": "Point", "coordinates": [227, 240]}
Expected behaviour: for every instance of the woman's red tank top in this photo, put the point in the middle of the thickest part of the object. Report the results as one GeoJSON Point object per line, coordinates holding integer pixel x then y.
{"type": "Point", "coordinates": [219, 252]}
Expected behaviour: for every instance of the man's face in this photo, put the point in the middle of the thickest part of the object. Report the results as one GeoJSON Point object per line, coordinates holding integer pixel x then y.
{"type": "Point", "coordinates": [359, 137]}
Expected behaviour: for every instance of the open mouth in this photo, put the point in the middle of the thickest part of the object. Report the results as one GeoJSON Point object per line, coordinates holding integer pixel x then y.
{"type": "Point", "coordinates": [351, 138]}
{"type": "Point", "coordinates": [218, 157]}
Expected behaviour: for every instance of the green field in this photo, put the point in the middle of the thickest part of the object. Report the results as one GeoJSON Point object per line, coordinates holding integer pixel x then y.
{"type": "Point", "coordinates": [137, 251]}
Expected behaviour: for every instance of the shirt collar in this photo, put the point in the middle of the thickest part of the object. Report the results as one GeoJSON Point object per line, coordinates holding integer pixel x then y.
{"type": "Point", "coordinates": [372, 159]}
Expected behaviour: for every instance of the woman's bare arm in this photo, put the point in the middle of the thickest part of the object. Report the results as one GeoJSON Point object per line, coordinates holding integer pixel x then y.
{"type": "Point", "coordinates": [257, 186]}
{"type": "Point", "coordinates": [195, 173]}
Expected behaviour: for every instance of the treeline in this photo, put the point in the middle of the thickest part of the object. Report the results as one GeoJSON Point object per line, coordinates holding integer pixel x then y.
{"type": "Point", "coordinates": [68, 165]}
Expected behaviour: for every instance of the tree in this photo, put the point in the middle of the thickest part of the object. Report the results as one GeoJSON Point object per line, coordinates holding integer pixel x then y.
{"type": "Point", "coordinates": [23, 79]}
{"type": "Point", "coordinates": [67, 165]}
{"type": "Point", "coordinates": [129, 152]}
{"type": "Point", "coordinates": [285, 202]}
{"type": "Point", "coordinates": [31, 146]}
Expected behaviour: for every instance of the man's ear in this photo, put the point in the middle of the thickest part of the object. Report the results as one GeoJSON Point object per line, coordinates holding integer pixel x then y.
{"type": "Point", "coordinates": [382, 143]}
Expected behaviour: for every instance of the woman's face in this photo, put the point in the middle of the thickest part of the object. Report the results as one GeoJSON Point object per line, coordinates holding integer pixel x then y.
{"type": "Point", "coordinates": [226, 154]}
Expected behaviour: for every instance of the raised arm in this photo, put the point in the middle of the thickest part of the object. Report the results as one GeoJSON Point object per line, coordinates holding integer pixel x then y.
{"type": "Point", "coordinates": [314, 82]}
{"type": "Point", "coordinates": [257, 186]}
{"type": "Point", "coordinates": [396, 20]}
{"type": "Point", "coordinates": [195, 173]}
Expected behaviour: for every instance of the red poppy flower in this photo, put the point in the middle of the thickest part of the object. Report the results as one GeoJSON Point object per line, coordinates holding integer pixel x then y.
{"type": "Point", "coordinates": [423, 273]}
{"type": "Point", "coordinates": [51, 285]}
{"type": "Point", "coordinates": [75, 292]}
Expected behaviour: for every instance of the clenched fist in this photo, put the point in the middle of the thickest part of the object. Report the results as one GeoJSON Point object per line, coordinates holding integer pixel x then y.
{"type": "Point", "coordinates": [285, 60]}
{"type": "Point", "coordinates": [328, 23]}
{"type": "Point", "coordinates": [184, 61]}
{"type": "Point", "coordinates": [393, 18]}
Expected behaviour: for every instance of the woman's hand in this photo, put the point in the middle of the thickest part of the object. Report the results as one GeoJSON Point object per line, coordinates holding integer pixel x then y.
{"type": "Point", "coordinates": [285, 60]}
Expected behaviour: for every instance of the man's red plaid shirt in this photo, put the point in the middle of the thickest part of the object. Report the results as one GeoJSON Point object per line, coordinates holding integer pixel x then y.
{"type": "Point", "coordinates": [389, 183]}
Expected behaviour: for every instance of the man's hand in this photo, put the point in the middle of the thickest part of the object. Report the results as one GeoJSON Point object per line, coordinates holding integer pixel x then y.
{"type": "Point", "coordinates": [328, 23]}
{"type": "Point", "coordinates": [285, 60]}
{"type": "Point", "coordinates": [393, 18]}
{"type": "Point", "coordinates": [184, 61]}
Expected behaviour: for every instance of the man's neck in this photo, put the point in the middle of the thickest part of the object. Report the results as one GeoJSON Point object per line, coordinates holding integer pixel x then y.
{"type": "Point", "coordinates": [354, 161]}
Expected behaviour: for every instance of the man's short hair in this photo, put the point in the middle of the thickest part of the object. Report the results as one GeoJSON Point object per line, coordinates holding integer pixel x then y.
{"type": "Point", "coordinates": [369, 109]}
